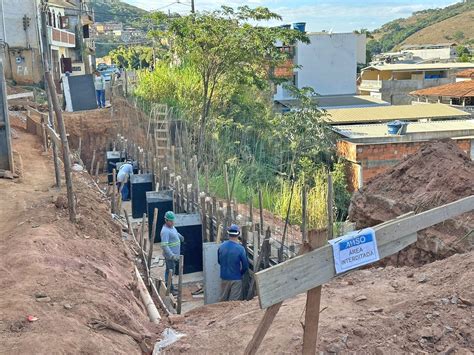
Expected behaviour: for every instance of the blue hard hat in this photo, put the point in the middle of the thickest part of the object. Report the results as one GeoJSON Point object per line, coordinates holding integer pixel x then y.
{"type": "Point", "coordinates": [234, 229]}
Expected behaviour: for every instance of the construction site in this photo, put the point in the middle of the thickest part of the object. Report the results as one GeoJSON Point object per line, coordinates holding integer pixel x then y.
{"type": "Point", "coordinates": [83, 271]}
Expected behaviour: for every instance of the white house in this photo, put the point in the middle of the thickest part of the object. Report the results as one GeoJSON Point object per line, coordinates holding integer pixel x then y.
{"type": "Point", "coordinates": [328, 64]}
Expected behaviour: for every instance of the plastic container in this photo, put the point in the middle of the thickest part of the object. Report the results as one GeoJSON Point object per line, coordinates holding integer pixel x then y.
{"type": "Point", "coordinates": [299, 26]}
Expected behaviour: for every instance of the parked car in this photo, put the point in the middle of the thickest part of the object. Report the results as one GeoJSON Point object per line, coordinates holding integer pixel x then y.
{"type": "Point", "coordinates": [102, 66]}
{"type": "Point", "coordinates": [109, 71]}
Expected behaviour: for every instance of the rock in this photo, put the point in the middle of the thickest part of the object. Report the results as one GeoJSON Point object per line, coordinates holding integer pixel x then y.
{"type": "Point", "coordinates": [448, 329]}
{"type": "Point", "coordinates": [360, 332]}
{"type": "Point", "coordinates": [422, 279]}
{"type": "Point", "coordinates": [445, 301]}
{"type": "Point", "coordinates": [43, 299]}
{"type": "Point", "coordinates": [176, 318]}
{"type": "Point", "coordinates": [454, 300]}
{"type": "Point", "coordinates": [360, 298]}
{"type": "Point", "coordinates": [410, 275]}
{"type": "Point", "coordinates": [101, 273]}
{"type": "Point", "coordinates": [40, 294]}
{"type": "Point", "coordinates": [67, 306]}
{"type": "Point", "coordinates": [375, 310]}
{"type": "Point", "coordinates": [399, 316]}
{"type": "Point", "coordinates": [60, 202]}
{"type": "Point", "coordinates": [431, 334]}
{"type": "Point", "coordinates": [335, 348]}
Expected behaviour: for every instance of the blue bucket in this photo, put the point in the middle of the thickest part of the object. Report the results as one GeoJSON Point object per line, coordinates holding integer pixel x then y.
{"type": "Point", "coordinates": [299, 26]}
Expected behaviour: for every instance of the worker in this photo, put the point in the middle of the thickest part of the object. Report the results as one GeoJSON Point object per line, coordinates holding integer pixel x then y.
{"type": "Point", "coordinates": [99, 84]}
{"type": "Point", "coordinates": [232, 258]}
{"type": "Point", "coordinates": [171, 244]}
{"type": "Point", "coordinates": [123, 176]}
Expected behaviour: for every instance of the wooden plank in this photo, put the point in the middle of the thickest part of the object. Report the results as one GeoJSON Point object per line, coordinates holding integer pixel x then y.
{"type": "Point", "coordinates": [262, 329]}
{"type": "Point", "coordinates": [21, 95]}
{"type": "Point", "coordinates": [278, 283]}
{"type": "Point", "coordinates": [53, 135]}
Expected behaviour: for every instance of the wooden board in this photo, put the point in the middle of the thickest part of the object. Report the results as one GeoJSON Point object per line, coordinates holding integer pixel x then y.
{"type": "Point", "coordinates": [307, 271]}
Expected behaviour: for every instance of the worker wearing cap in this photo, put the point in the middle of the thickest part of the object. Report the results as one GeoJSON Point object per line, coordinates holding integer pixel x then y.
{"type": "Point", "coordinates": [232, 258]}
{"type": "Point", "coordinates": [171, 244]}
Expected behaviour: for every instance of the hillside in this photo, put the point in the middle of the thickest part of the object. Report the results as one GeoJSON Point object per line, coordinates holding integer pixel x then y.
{"type": "Point", "coordinates": [119, 11]}
{"type": "Point", "coordinates": [452, 23]}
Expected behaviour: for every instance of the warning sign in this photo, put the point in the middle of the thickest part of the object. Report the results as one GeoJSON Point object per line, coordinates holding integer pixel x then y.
{"type": "Point", "coordinates": [354, 250]}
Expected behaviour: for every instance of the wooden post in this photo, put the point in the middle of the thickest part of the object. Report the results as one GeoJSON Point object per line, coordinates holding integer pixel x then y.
{"type": "Point", "coordinates": [45, 137]}
{"type": "Point", "coordinates": [151, 241]}
{"type": "Point", "coordinates": [92, 163]}
{"type": "Point", "coordinates": [316, 239]}
{"type": "Point", "coordinates": [304, 216]}
{"type": "Point", "coordinates": [251, 210]}
{"type": "Point", "coordinates": [206, 168]}
{"type": "Point", "coordinates": [330, 208]}
{"type": "Point", "coordinates": [65, 146]}
{"type": "Point", "coordinates": [260, 205]}
{"type": "Point", "coordinates": [97, 169]}
{"type": "Point", "coordinates": [204, 218]}
{"type": "Point", "coordinates": [180, 284]}
{"type": "Point", "coordinates": [262, 329]}
{"type": "Point", "coordinates": [142, 232]}
{"type": "Point", "coordinates": [227, 187]}
{"type": "Point", "coordinates": [114, 186]}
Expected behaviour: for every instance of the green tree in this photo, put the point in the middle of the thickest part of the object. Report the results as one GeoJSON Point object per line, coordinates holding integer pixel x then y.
{"type": "Point", "coordinates": [135, 57]}
{"type": "Point", "coordinates": [224, 47]}
{"type": "Point", "coordinates": [458, 36]}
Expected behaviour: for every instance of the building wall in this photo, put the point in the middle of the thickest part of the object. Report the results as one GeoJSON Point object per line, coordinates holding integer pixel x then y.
{"type": "Point", "coordinates": [373, 159]}
{"type": "Point", "coordinates": [21, 55]}
{"type": "Point", "coordinates": [441, 53]}
{"type": "Point", "coordinates": [328, 64]}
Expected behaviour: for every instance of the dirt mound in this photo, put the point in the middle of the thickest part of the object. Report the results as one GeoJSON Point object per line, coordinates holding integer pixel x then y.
{"type": "Point", "coordinates": [378, 311]}
{"type": "Point", "coordinates": [437, 174]}
{"type": "Point", "coordinates": [63, 274]}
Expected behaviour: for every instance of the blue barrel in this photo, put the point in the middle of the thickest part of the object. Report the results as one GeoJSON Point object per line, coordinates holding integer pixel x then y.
{"type": "Point", "coordinates": [394, 127]}
{"type": "Point", "coordinates": [299, 26]}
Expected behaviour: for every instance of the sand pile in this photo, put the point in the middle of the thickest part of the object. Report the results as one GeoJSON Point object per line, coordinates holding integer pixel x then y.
{"type": "Point", "coordinates": [437, 174]}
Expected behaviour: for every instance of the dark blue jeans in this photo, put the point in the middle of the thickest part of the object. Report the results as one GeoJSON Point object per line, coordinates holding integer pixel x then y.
{"type": "Point", "coordinates": [100, 95]}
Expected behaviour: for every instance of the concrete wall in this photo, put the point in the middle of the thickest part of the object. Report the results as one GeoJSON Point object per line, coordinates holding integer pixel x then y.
{"type": "Point", "coordinates": [441, 53]}
{"type": "Point", "coordinates": [397, 92]}
{"type": "Point", "coordinates": [369, 160]}
{"type": "Point", "coordinates": [328, 64]}
{"type": "Point", "coordinates": [361, 48]}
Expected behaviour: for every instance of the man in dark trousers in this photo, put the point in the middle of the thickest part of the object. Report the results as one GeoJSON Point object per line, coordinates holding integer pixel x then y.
{"type": "Point", "coordinates": [234, 264]}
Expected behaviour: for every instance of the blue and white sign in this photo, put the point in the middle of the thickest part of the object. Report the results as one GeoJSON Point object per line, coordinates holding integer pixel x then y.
{"type": "Point", "coordinates": [354, 250]}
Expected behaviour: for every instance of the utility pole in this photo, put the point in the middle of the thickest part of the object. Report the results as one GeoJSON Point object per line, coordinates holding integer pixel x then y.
{"type": "Point", "coordinates": [46, 58]}
{"type": "Point", "coordinates": [62, 128]}
{"type": "Point", "coordinates": [193, 10]}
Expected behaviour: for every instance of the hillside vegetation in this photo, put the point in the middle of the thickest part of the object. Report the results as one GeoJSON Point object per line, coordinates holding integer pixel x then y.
{"type": "Point", "coordinates": [454, 23]}
{"type": "Point", "coordinates": [118, 11]}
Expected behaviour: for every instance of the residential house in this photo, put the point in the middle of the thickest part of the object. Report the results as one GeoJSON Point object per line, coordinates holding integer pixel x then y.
{"type": "Point", "coordinates": [440, 51]}
{"type": "Point", "coordinates": [394, 82]}
{"type": "Point", "coordinates": [328, 64]}
{"type": "Point", "coordinates": [67, 33]}
{"type": "Point", "coordinates": [460, 95]}
{"type": "Point", "coordinates": [465, 75]}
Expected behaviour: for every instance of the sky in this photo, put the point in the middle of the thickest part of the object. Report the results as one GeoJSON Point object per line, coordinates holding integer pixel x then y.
{"type": "Point", "coordinates": [335, 15]}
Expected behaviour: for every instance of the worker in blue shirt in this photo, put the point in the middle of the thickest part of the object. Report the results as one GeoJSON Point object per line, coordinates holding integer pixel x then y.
{"type": "Point", "coordinates": [123, 176]}
{"type": "Point", "coordinates": [171, 244]}
{"type": "Point", "coordinates": [232, 258]}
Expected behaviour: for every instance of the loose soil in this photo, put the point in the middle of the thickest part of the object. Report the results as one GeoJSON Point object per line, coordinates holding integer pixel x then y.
{"type": "Point", "coordinates": [439, 173]}
{"type": "Point", "coordinates": [376, 311]}
{"type": "Point", "coordinates": [64, 274]}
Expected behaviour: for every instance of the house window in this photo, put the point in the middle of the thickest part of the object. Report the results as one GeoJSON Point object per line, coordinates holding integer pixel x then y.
{"type": "Point", "coordinates": [54, 20]}
{"type": "Point", "coordinates": [50, 19]}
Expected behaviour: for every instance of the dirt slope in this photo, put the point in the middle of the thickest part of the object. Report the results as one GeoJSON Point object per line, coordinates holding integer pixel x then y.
{"type": "Point", "coordinates": [405, 311]}
{"type": "Point", "coordinates": [83, 271]}
{"type": "Point", "coordinates": [437, 174]}
{"type": "Point", "coordinates": [444, 31]}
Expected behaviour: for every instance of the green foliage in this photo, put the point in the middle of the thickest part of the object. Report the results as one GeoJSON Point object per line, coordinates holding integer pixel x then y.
{"type": "Point", "coordinates": [458, 36]}
{"type": "Point", "coordinates": [224, 47]}
{"type": "Point", "coordinates": [120, 12]}
{"type": "Point", "coordinates": [463, 54]}
{"type": "Point", "coordinates": [134, 57]}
